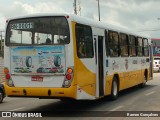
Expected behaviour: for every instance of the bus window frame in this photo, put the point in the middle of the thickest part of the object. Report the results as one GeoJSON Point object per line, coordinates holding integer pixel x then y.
{"type": "Point", "coordinates": [106, 43]}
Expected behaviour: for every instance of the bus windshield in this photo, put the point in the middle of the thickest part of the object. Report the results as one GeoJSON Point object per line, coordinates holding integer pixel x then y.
{"type": "Point", "coordinates": [38, 31]}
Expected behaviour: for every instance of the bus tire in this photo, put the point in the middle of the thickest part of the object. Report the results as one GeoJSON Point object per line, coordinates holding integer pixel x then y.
{"type": "Point", "coordinates": [68, 100]}
{"type": "Point", "coordinates": [142, 85]}
{"type": "Point", "coordinates": [28, 61]}
{"type": "Point", "coordinates": [115, 89]}
{"type": "Point", "coordinates": [57, 61]}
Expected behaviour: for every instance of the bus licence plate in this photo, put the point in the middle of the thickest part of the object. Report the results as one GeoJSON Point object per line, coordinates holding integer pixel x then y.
{"type": "Point", "coordinates": [37, 78]}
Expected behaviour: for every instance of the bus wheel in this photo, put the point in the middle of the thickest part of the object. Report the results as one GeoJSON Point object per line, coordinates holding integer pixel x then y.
{"type": "Point", "coordinates": [144, 82]}
{"type": "Point", "coordinates": [114, 90]}
{"type": "Point", "coordinates": [68, 100]}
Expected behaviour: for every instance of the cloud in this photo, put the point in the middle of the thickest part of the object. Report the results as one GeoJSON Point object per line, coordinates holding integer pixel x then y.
{"type": "Point", "coordinates": [21, 8]}
{"type": "Point", "coordinates": [46, 7]}
{"type": "Point", "coordinates": [133, 14]}
{"type": "Point", "coordinates": [2, 22]}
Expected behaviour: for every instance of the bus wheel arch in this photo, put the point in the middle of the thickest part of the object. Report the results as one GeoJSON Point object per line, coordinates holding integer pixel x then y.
{"type": "Point", "coordinates": [143, 84]}
{"type": "Point", "coordinates": [115, 87]}
{"type": "Point", "coordinates": [146, 74]}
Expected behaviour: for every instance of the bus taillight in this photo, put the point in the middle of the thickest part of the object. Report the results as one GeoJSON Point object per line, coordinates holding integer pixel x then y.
{"type": "Point", "coordinates": [70, 70]}
{"type": "Point", "coordinates": [68, 77]}
{"type": "Point", "coordinates": [8, 77]}
{"type": "Point", "coordinates": [6, 71]}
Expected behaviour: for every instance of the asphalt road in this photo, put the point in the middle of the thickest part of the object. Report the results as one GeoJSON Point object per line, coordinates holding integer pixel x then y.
{"type": "Point", "coordinates": [131, 100]}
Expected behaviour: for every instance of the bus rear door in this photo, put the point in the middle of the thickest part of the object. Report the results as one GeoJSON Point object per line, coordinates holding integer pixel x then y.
{"type": "Point", "coordinates": [99, 56]}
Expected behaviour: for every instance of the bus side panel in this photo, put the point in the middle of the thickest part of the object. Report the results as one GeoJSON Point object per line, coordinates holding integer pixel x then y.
{"type": "Point", "coordinates": [108, 84]}
{"type": "Point", "coordinates": [86, 79]}
{"type": "Point", "coordinates": [129, 75]}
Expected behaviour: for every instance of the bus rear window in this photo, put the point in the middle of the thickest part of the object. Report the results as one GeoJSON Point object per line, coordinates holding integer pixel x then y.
{"type": "Point", "coordinates": [44, 30]}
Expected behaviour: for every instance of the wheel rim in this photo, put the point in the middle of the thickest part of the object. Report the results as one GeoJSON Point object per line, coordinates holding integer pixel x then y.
{"type": "Point", "coordinates": [115, 89]}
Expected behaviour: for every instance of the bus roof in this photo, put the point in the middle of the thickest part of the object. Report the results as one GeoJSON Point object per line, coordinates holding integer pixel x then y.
{"type": "Point", "coordinates": [107, 26]}
{"type": "Point", "coordinates": [87, 21]}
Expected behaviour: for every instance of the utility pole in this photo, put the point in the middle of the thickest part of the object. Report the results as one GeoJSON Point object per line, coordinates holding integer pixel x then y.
{"type": "Point", "coordinates": [99, 11]}
{"type": "Point", "coordinates": [75, 7]}
{"type": "Point", "coordinates": [79, 9]}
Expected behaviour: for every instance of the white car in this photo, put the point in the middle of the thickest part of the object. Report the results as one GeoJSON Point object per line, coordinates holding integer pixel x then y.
{"type": "Point", "coordinates": [156, 64]}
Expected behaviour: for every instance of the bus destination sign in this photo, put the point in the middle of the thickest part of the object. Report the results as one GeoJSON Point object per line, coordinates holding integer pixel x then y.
{"type": "Point", "coordinates": [20, 26]}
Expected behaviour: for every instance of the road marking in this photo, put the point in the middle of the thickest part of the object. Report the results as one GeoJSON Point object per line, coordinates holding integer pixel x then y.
{"type": "Point", "coordinates": [17, 109]}
{"type": "Point", "coordinates": [150, 93]}
{"type": "Point", "coordinates": [115, 109]}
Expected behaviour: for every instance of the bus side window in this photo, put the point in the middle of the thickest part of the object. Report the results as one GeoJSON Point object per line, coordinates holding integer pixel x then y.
{"type": "Point", "coordinates": [139, 46]}
{"type": "Point", "coordinates": [124, 44]}
{"type": "Point", "coordinates": [81, 52]}
{"type": "Point", "coordinates": [80, 42]}
{"type": "Point", "coordinates": [132, 45]}
{"type": "Point", "coordinates": [113, 43]}
{"type": "Point", "coordinates": [145, 47]}
{"type": "Point", "coordinates": [84, 41]}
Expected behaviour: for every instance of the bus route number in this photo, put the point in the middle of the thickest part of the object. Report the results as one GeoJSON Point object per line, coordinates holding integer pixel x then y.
{"type": "Point", "coordinates": [20, 26]}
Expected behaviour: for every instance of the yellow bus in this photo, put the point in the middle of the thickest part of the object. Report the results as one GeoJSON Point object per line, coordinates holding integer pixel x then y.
{"type": "Point", "coordinates": [63, 56]}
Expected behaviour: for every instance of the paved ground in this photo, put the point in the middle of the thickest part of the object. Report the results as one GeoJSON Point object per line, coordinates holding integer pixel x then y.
{"type": "Point", "coordinates": [131, 100]}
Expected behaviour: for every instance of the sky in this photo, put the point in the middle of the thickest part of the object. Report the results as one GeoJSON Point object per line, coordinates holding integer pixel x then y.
{"type": "Point", "coordinates": [139, 15]}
